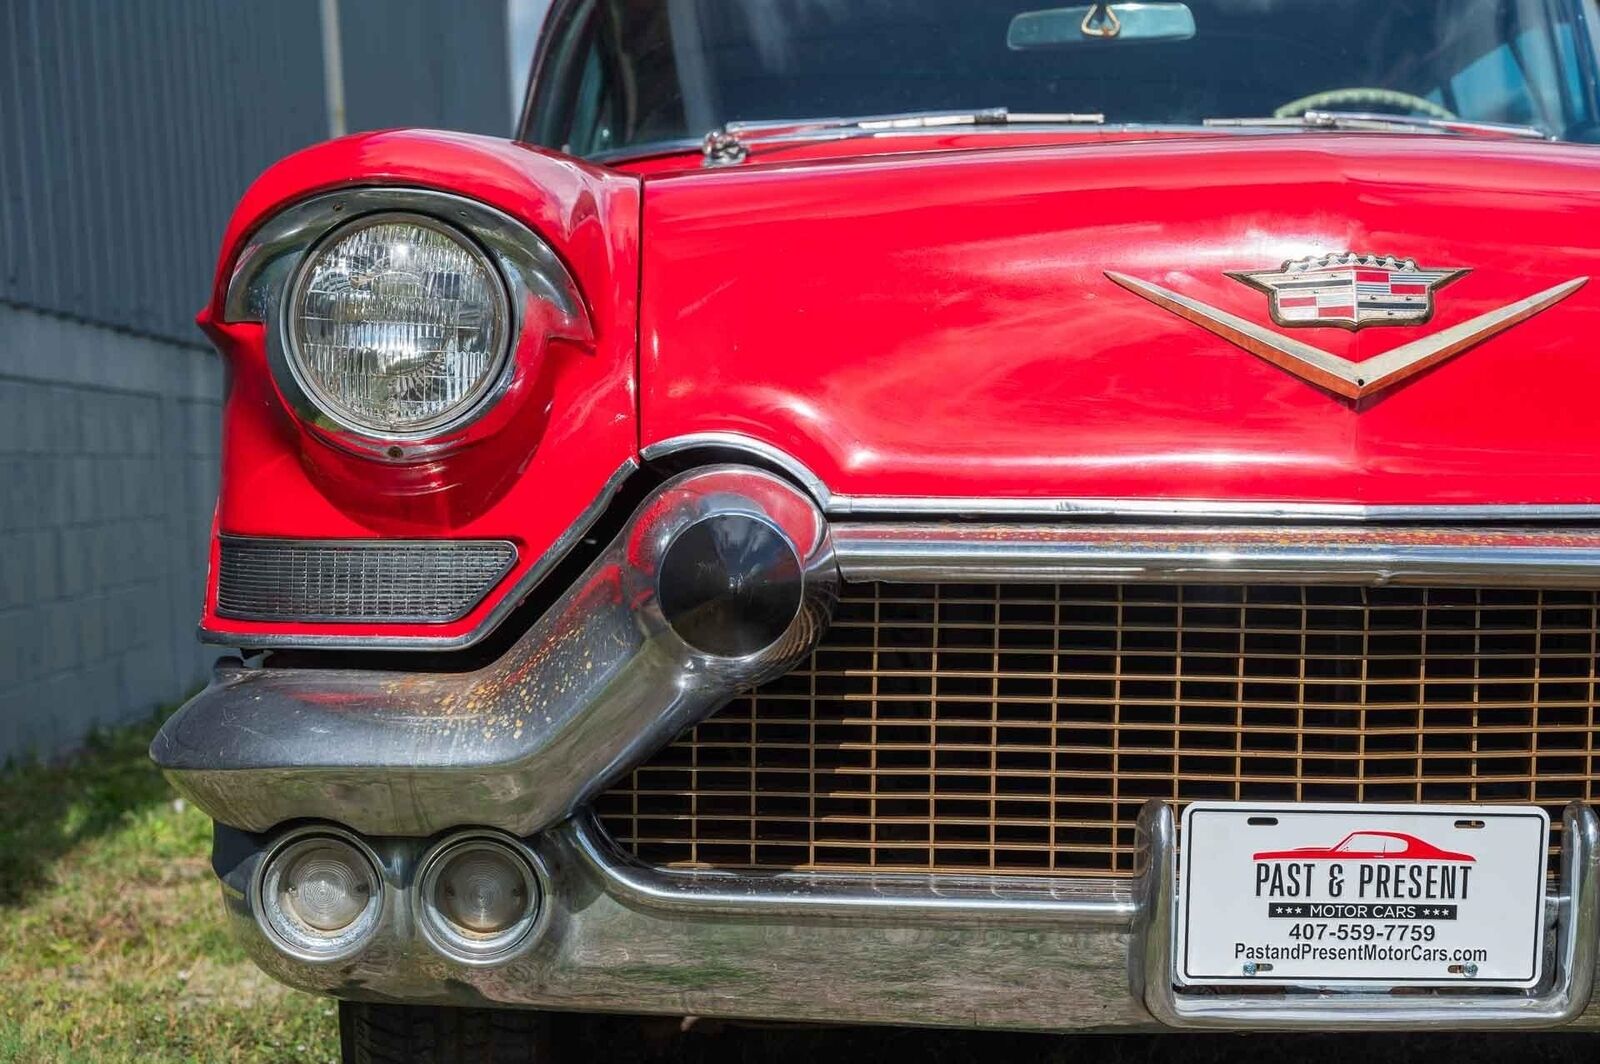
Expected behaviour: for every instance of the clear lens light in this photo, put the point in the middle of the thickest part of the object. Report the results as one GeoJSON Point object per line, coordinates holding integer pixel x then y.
{"type": "Point", "coordinates": [326, 887]}
{"type": "Point", "coordinates": [482, 892]}
{"type": "Point", "coordinates": [398, 327]}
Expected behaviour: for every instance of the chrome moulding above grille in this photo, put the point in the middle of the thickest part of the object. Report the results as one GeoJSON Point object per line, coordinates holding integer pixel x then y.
{"type": "Point", "coordinates": [1373, 556]}
{"type": "Point", "coordinates": [1266, 511]}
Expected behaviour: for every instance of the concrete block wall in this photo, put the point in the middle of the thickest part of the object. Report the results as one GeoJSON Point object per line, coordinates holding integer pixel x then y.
{"type": "Point", "coordinates": [108, 458]}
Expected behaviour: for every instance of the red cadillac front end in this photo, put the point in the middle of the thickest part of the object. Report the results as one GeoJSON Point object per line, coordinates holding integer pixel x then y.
{"type": "Point", "coordinates": [969, 564]}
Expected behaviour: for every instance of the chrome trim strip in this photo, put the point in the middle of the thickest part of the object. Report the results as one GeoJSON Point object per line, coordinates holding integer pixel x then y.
{"type": "Point", "coordinates": [1206, 509]}
{"type": "Point", "coordinates": [901, 553]}
{"type": "Point", "coordinates": [885, 897]}
{"type": "Point", "coordinates": [745, 445]}
{"type": "Point", "coordinates": [594, 687]}
{"type": "Point", "coordinates": [837, 505]}
{"type": "Point", "coordinates": [507, 602]}
{"type": "Point", "coordinates": [1095, 134]}
{"type": "Point", "coordinates": [971, 951]}
{"type": "Point", "coordinates": [1577, 902]}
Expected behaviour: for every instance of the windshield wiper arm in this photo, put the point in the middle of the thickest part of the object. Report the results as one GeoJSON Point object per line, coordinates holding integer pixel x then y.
{"type": "Point", "coordinates": [730, 144]}
{"type": "Point", "coordinates": [1373, 122]}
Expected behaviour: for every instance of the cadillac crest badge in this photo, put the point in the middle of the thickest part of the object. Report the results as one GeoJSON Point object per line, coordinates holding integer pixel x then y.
{"type": "Point", "coordinates": [1350, 291]}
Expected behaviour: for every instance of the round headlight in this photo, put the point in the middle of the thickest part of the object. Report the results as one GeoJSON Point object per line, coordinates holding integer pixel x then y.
{"type": "Point", "coordinates": [397, 326]}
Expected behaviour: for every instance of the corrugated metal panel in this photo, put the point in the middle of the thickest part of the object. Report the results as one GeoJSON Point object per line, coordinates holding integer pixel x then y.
{"type": "Point", "coordinates": [448, 62]}
{"type": "Point", "coordinates": [128, 131]}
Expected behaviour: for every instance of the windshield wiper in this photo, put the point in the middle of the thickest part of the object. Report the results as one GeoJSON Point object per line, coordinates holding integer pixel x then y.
{"type": "Point", "coordinates": [731, 143]}
{"type": "Point", "coordinates": [1382, 123]}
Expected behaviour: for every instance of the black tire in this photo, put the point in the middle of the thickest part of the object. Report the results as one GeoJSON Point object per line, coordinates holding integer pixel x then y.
{"type": "Point", "coordinates": [423, 1034]}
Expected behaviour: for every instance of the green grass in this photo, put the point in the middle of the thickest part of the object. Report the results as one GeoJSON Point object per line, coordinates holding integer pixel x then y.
{"type": "Point", "coordinates": [112, 941]}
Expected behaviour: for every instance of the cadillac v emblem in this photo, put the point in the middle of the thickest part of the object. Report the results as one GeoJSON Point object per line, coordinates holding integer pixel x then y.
{"type": "Point", "coordinates": [1351, 291]}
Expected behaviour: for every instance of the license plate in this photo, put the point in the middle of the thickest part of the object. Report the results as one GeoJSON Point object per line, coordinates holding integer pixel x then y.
{"type": "Point", "coordinates": [1334, 896]}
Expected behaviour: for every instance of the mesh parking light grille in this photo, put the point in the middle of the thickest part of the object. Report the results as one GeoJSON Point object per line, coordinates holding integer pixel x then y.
{"type": "Point", "coordinates": [378, 581]}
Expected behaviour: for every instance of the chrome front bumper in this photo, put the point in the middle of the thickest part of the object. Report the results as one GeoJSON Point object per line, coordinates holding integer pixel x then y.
{"type": "Point", "coordinates": [604, 679]}
{"type": "Point", "coordinates": [981, 951]}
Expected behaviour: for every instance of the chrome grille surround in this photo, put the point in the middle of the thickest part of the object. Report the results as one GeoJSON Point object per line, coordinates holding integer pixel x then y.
{"type": "Point", "coordinates": [346, 581]}
{"type": "Point", "coordinates": [1017, 728]}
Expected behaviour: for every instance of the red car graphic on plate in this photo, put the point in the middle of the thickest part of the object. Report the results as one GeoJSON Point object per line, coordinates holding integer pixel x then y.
{"type": "Point", "coordinates": [1366, 846]}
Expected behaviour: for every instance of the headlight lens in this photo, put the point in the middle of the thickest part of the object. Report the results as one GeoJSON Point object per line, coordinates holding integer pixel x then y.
{"type": "Point", "coordinates": [398, 326]}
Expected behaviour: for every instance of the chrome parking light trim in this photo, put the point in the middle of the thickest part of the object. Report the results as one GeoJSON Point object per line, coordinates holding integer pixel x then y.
{"type": "Point", "coordinates": [367, 929]}
{"type": "Point", "coordinates": [484, 950]}
{"type": "Point", "coordinates": [1577, 904]}
{"type": "Point", "coordinates": [841, 952]}
{"type": "Point", "coordinates": [594, 687]}
{"type": "Point", "coordinates": [508, 601]}
{"type": "Point", "coordinates": [1299, 554]}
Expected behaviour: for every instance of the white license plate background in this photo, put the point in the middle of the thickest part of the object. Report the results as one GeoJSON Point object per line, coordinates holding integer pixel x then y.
{"type": "Point", "coordinates": [1227, 918]}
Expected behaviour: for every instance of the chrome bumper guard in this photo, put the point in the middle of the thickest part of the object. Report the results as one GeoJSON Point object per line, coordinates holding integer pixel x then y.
{"type": "Point", "coordinates": [967, 951]}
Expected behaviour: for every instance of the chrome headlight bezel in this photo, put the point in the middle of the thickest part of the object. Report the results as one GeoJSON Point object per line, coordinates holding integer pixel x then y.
{"type": "Point", "coordinates": [540, 293]}
{"type": "Point", "coordinates": [312, 401]}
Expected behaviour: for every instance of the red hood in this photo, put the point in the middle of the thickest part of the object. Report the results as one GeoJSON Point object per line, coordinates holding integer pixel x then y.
{"type": "Point", "coordinates": [942, 324]}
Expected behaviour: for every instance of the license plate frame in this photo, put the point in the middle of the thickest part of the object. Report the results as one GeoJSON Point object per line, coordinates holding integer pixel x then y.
{"type": "Point", "coordinates": [1219, 904]}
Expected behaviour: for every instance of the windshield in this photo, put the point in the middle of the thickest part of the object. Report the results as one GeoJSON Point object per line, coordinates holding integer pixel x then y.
{"type": "Point", "coordinates": [631, 73]}
{"type": "Point", "coordinates": [1359, 843]}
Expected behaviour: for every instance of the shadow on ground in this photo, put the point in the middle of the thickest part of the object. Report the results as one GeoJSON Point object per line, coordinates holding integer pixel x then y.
{"type": "Point", "coordinates": [49, 809]}
{"type": "Point", "coordinates": [717, 1044]}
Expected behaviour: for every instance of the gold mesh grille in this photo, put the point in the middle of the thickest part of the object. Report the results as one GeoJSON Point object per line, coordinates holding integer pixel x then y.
{"type": "Point", "coordinates": [1018, 728]}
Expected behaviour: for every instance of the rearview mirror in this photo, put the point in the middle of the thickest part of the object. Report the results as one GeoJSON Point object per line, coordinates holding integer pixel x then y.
{"type": "Point", "coordinates": [1066, 27]}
